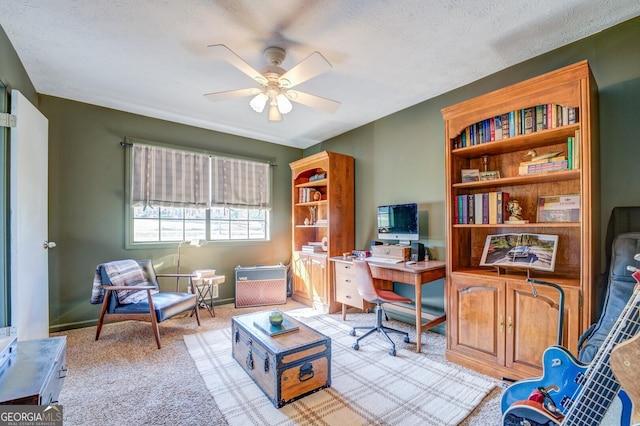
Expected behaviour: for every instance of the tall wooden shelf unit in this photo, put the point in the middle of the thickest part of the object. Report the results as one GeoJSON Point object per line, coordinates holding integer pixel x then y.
{"type": "Point", "coordinates": [495, 324]}
{"type": "Point", "coordinates": [334, 222]}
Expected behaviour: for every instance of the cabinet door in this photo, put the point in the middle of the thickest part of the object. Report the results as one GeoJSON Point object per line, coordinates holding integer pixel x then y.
{"type": "Point", "coordinates": [301, 279]}
{"type": "Point", "coordinates": [318, 282]}
{"type": "Point", "coordinates": [532, 324]}
{"type": "Point", "coordinates": [476, 318]}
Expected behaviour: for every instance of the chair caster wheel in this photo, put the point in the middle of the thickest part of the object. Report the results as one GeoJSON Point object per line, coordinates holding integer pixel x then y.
{"type": "Point", "coordinates": [392, 352]}
{"type": "Point", "coordinates": [352, 333]}
{"type": "Point", "coordinates": [406, 339]}
{"type": "Point", "coordinates": [356, 346]}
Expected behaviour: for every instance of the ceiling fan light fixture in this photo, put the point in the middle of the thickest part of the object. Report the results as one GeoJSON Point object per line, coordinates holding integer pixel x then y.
{"type": "Point", "coordinates": [274, 112]}
{"type": "Point", "coordinates": [258, 102]}
{"type": "Point", "coordinates": [284, 105]}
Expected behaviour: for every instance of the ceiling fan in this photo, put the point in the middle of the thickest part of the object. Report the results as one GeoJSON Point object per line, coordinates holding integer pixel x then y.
{"type": "Point", "coordinates": [275, 82]}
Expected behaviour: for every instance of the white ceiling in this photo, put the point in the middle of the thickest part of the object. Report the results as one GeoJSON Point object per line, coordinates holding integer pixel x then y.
{"type": "Point", "coordinates": [150, 57]}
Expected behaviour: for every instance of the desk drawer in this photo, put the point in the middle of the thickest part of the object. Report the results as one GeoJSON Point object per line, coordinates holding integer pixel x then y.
{"type": "Point", "coordinates": [346, 286]}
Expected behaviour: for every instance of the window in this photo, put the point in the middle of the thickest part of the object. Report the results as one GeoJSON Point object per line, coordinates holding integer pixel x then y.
{"type": "Point", "coordinates": [170, 224]}
{"type": "Point", "coordinates": [180, 196]}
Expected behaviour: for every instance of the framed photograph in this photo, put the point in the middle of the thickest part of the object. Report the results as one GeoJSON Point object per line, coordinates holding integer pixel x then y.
{"type": "Point", "coordinates": [470, 175]}
{"type": "Point", "coordinates": [490, 175]}
{"type": "Point", "coordinates": [535, 251]}
{"type": "Point", "coordinates": [559, 208]}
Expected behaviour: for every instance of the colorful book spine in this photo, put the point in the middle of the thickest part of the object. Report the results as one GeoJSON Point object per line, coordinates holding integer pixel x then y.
{"type": "Point", "coordinates": [456, 216]}
{"type": "Point", "coordinates": [471, 210]}
{"type": "Point", "coordinates": [477, 202]}
{"type": "Point", "coordinates": [493, 208]}
{"type": "Point", "coordinates": [485, 208]}
{"type": "Point", "coordinates": [505, 126]}
{"type": "Point", "coordinates": [464, 213]}
{"type": "Point", "coordinates": [498, 127]}
{"type": "Point", "coordinates": [570, 152]}
{"type": "Point", "coordinates": [528, 120]}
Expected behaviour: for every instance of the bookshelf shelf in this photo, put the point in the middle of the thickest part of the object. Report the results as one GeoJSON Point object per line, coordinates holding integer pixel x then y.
{"type": "Point", "coordinates": [482, 341]}
{"type": "Point", "coordinates": [319, 182]}
{"type": "Point", "coordinates": [563, 175]}
{"type": "Point", "coordinates": [533, 140]}
{"type": "Point", "coordinates": [312, 203]}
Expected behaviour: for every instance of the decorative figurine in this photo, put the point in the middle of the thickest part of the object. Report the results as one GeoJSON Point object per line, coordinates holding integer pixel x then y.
{"type": "Point", "coordinates": [515, 212]}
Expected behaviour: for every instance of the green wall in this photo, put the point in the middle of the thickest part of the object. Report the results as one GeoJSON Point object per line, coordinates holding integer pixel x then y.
{"type": "Point", "coordinates": [399, 158]}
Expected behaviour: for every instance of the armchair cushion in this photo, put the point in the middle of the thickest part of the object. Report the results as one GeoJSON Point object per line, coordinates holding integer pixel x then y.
{"type": "Point", "coordinates": [120, 273]}
{"type": "Point", "coordinates": [165, 305]}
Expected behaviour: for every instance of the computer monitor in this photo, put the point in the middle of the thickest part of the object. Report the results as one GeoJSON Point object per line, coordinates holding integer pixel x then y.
{"type": "Point", "coordinates": [398, 222]}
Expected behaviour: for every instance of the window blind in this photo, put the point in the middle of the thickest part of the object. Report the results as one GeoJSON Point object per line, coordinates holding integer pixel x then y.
{"type": "Point", "coordinates": [240, 183]}
{"type": "Point", "coordinates": [164, 177]}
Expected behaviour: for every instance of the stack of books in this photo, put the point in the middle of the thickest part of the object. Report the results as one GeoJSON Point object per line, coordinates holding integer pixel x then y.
{"type": "Point", "coordinates": [312, 249]}
{"type": "Point", "coordinates": [544, 165]}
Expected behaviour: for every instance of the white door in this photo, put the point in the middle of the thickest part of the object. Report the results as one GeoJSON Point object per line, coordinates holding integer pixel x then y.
{"type": "Point", "coordinates": [28, 205]}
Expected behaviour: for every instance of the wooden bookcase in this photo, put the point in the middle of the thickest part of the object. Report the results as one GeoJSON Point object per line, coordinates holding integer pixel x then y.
{"type": "Point", "coordinates": [323, 182]}
{"type": "Point", "coordinates": [495, 324]}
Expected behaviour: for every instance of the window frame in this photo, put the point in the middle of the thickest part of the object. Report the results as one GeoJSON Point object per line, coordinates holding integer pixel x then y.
{"type": "Point", "coordinates": [128, 209]}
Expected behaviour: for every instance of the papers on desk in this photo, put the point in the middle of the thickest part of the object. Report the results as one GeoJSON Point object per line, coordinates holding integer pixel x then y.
{"type": "Point", "coordinates": [205, 273]}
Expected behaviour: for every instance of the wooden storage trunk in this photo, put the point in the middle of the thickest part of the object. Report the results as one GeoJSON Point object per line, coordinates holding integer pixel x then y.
{"type": "Point", "coordinates": [287, 366]}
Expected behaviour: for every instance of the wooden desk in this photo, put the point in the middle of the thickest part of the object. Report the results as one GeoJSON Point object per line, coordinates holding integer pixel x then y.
{"type": "Point", "coordinates": [421, 273]}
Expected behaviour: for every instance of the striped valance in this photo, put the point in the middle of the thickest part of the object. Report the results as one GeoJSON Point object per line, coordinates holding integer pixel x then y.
{"type": "Point", "coordinates": [239, 183]}
{"type": "Point", "coordinates": [162, 177]}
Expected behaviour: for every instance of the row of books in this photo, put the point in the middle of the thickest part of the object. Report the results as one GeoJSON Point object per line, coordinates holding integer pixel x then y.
{"type": "Point", "coordinates": [515, 123]}
{"type": "Point", "coordinates": [305, 195]}
{"type": "Point", "coordinates": [481, 208]}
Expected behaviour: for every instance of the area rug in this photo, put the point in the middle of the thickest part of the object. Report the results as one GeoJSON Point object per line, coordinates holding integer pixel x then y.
{"type": "Point", "coordinates": [368, 387]}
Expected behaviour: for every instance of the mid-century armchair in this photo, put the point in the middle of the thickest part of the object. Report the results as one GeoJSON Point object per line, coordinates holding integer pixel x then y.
{"type": "Point", "coordinates": [125, 302]}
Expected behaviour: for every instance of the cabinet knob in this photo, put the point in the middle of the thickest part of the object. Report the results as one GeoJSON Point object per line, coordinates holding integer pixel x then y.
{"type": "Point", "coordinates": [509, 325]}
{"type": "Point", "coordinates": [347, 280]}
{"type": "Point", "coordinates": [347, 297]}
{"type": "Point", "coordinates": [501, 323]}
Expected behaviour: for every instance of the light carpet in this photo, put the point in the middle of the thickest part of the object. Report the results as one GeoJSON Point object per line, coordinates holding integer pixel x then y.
{"type": "Point", "coordinates": [368, 387]}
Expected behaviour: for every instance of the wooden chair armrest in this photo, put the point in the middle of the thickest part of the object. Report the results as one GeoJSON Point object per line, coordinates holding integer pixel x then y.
{"type": "Point", "coordinates": [128, 287]}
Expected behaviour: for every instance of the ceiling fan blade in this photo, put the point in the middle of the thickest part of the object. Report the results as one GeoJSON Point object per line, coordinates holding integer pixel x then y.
{"type": "Point", "coordinates": [313, 101]}
{"type": "Point", "coordinates": [231, 94]}
{"type": "Point", "coordinates": [223, 52]}
{"type": "Point", "coordinates": [311, 66]}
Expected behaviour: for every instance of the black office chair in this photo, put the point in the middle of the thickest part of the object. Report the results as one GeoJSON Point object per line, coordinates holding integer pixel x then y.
{"type": "Point", "coordinates": [370, 293]}
{"type": "Point", "coordinates": [153, 306]}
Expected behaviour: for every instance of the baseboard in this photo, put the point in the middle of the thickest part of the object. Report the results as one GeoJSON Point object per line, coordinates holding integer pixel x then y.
{"type": "Point", "coordinates": [72, 325]}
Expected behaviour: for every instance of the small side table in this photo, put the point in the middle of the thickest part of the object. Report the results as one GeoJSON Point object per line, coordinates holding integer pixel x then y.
{"type": "Point", "coordinates": [204, 286]}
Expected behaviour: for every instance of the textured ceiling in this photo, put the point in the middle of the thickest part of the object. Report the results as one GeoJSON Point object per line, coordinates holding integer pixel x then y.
{"type": "Point", "coordinates": [150, 57]}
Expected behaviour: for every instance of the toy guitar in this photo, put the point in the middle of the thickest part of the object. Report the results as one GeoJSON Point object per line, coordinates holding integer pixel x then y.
{"type": "Point", "coordinates": [571, 393]}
